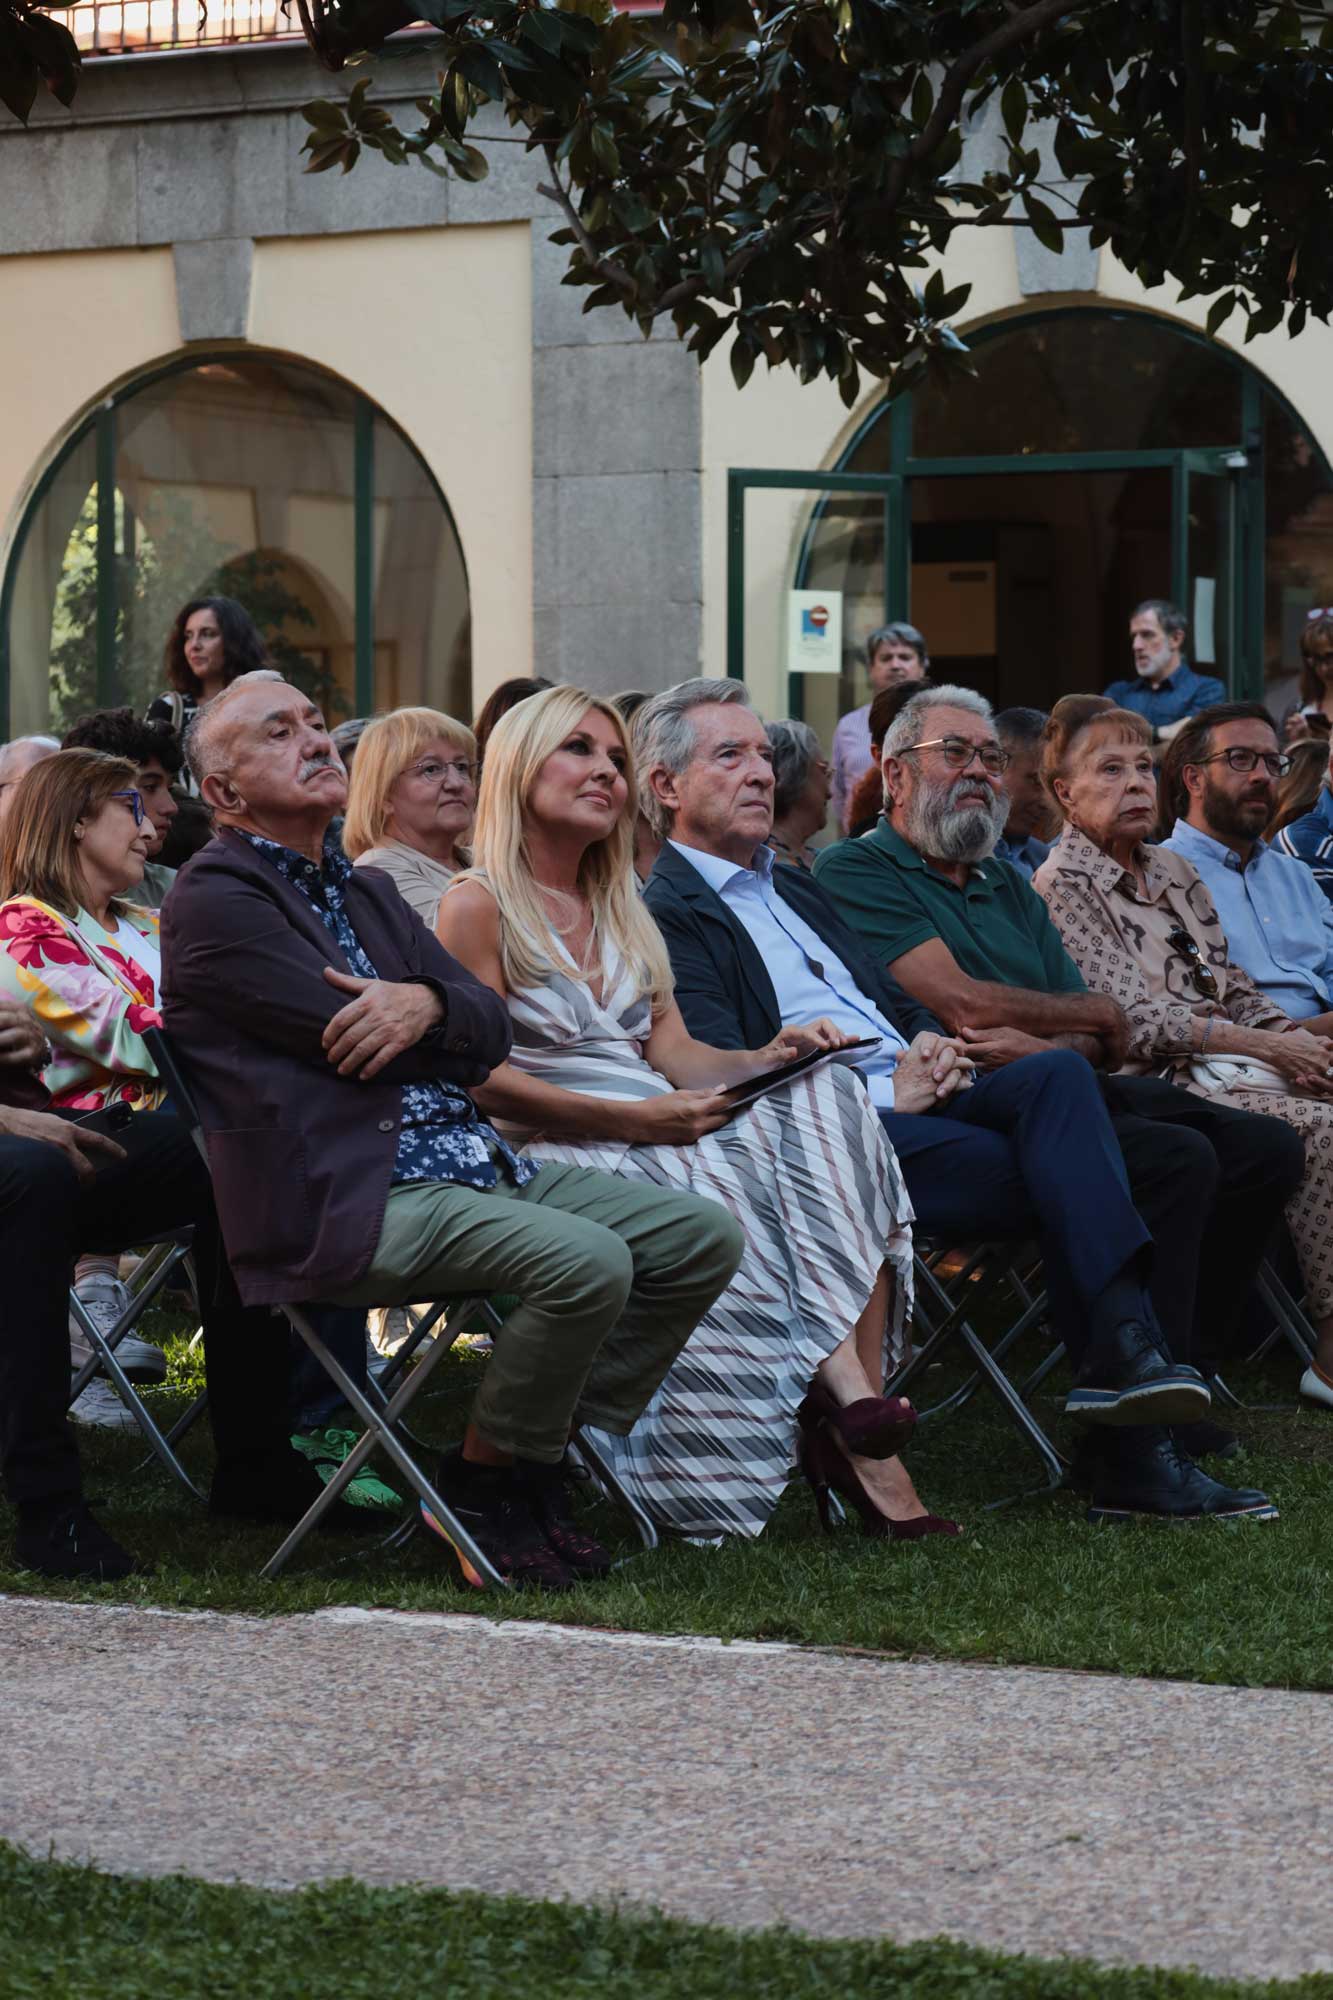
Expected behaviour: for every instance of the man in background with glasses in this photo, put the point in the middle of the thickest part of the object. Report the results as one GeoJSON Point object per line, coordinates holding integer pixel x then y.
{"type": "Point", "coordinates": [1219, 786]}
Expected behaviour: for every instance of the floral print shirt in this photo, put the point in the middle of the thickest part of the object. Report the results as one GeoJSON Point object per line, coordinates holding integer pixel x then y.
{"type": "Point", "coordinates": [1120, 939]}
{"type": "Point", "coordinates": [441, 1138]}
{"type": "Point", "coordinates": [91, 1000]}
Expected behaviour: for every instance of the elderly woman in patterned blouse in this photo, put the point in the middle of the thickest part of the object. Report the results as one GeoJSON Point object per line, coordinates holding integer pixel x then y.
{"type": "Point", "coordinates": [1141, 926]}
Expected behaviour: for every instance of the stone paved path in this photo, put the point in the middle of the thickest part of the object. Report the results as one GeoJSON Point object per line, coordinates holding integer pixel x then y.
{"type": "Point", "coordinates": [842, 1795]}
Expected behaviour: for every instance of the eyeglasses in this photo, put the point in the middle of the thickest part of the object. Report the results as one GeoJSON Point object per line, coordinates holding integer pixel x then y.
{"type": "Point", "coordinates": [1319, 611]}
{"type": "Point", "coordinates": [431, 770]}
{"type": "Point", "coordinates": [958, 753]}
{"type": "Point", "coordinates": [136, 805]}
{"type": "Point", "coordinates": [1245, 761]}
{"type": "Point", "coordinates": [1202, 976]}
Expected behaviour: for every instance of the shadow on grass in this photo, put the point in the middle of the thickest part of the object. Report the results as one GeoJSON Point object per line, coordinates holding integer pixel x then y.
{"type": "Point", "coordinates": [1242, 1602]}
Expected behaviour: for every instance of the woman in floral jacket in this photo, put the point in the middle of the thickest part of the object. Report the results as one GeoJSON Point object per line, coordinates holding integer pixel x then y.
{"type": "Point", "coordinates": [84, 961]}
{"type": "Point", "coordinates": [74, 949]}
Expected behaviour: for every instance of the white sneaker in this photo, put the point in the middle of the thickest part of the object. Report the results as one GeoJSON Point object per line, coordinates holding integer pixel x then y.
{"type": "Point", "coordinates": [100, 1406]}
{"type": "Point", "coordinates": [104, 1299]}
{"type": "Point", "coordinates": [1317, 1388]}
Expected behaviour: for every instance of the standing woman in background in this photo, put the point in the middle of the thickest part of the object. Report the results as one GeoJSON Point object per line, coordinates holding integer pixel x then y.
{"type": "Point", "coordinates": [212, 640]}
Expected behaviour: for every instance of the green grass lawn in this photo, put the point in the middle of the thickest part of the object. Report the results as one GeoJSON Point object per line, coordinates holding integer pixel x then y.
{"type": "Point", "coordinates": [70, 1933]}
{"type": "Point", "coordinates": [1246, 1603]}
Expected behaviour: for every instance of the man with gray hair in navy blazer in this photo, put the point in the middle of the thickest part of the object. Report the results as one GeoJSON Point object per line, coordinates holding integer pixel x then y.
{"type": "Point", "coordinates": [1027, 1150]}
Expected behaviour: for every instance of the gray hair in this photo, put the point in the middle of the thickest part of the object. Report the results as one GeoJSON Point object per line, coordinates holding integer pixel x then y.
{"type": "Point", "coordinates": [664, 736]}
{"type": "Point", "coordinates": [900, 633]}
{"type": "Point", "coordinates": [908, 723]}
{"type": "Point", "coordinates": [201, 735]}
{"type": "Point", "coordinates": [1168, 615]}
{"type": "Point", "coordinates": [795, 749]}
{"type": "Point", "coordinates": [348, 734]}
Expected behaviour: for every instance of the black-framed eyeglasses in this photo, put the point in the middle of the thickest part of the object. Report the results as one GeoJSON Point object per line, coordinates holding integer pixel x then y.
{"type": "Point", "coordinates": [136, 805]}
{"type": "Point", "coordinates": [1202, 976]}
{"type": "Point", "coordinates": [1242, 762]}
{"type": "Point", "coordinates": [958, 753]}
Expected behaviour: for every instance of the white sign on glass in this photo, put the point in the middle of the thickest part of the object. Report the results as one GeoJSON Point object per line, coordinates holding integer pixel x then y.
{"type": "Point", "coordinates": [814, 631]}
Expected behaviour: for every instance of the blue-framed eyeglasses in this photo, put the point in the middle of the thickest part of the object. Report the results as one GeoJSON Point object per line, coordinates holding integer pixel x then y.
{"type": "Point", "coordinates": [136, 805]}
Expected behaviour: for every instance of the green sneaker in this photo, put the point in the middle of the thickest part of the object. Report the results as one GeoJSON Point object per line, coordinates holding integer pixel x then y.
{"type": "Point", "coordinates": [326, 1451]}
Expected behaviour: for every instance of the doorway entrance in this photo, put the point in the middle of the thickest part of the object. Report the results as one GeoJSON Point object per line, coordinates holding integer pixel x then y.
{"type": "Point", "coordinates": [1096, 458]}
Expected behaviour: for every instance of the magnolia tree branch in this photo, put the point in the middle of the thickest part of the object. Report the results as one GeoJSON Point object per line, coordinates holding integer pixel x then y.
{"type": "Point", "coordinates": [1022, 26]}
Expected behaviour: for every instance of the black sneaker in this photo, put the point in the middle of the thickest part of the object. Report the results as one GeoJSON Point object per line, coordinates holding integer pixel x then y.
{"type": "Point", "coordinates": [1128, 1378]}
{"type": "Point", "coordinates": [1153, 1477]}
{"type": "Point", "coordinates": [546, 1488]}
{"type": "Point", "coordinates": [70, 1543]}
{"type": "Point", "coordinates": [488, 1502]}
{"type": "Point", "coordinates": [1208, 1441]}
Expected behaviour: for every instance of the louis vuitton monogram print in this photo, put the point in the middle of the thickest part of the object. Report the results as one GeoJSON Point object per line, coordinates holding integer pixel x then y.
{"type": "Point", "coordinates": [1118, 936]}
{"type": "Point", "coordinates": [1120, 940]}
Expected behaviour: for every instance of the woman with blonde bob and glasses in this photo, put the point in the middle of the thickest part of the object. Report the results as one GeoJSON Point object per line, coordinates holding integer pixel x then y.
{"type": "Point", "coordinates": [603, 1073]}
{"type": "Point", "coordinates": [1140, 925]}
{"type": "Point", "coordinates": [410, 803]}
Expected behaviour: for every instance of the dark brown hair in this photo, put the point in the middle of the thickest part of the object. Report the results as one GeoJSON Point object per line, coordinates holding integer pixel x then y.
{"type": "Point", "coordinates": [1300, 788]}
{"type": "Point", "coordinates": [1318, 626]}
{"type": "Point", "coordinates": [499, 702]}
{"type": "Point", "coordinates": [1193, 744]}
{"type": "Point", "coordinates": [243, 649]}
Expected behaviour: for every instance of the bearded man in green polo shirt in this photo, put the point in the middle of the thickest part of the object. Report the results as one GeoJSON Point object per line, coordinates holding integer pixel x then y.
{"type": "Point", "coordinates": [968, 937]}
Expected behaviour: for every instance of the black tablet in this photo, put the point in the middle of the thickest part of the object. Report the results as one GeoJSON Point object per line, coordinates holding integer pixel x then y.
{"type": "Point", "coordinates": [741, 1094]}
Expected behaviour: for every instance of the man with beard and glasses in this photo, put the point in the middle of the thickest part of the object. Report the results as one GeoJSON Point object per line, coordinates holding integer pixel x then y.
{"type": "Point", "coordinates": [971, 940]}
{"type": "Point", "coordinates": [1165, 690]}
{"type": "Point", "coordinates": [1219, 782]}
{"type": "Point", "coordinates": [1027, 1149]}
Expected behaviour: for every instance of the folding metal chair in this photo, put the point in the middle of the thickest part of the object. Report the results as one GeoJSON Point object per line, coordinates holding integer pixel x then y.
{"type": "Point", "coordinates": [382, 1408]}
{"type": "Point", "coordinates": [165, 1255]}
{"type": "Point", "coordinates": [945, 1311]}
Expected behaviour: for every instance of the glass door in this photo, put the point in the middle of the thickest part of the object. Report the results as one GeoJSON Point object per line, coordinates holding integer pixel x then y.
{"type": "Point", "coordinates": [1207, 558]}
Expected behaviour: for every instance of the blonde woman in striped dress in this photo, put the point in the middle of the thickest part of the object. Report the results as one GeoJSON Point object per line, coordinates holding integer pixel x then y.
{"type": "Point", "coordinates": [603, 1073]}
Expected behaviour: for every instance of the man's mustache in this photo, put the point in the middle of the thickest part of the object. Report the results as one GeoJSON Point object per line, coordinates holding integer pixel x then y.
{"type": "Point", "coordinates": [314, 765]}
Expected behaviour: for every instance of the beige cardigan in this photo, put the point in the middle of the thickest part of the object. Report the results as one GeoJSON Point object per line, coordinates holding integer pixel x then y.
{"type": "Point", "coordinates": [419, 881]}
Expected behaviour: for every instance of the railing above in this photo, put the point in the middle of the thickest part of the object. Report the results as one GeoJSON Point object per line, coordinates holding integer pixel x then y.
{"type": "Point", "coordinates": [145, 27]}
{"type": "Point", "coordinates": [141, 27]}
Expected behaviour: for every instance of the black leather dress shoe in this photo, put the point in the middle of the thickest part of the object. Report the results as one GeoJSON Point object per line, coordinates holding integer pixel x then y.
{"type": "Point", "coordinates": [1127, 1377]}
{"type": "Point", "coordinates": [1208, 1441]}
{"type": "Point", "coordinates": [1152, 1477]}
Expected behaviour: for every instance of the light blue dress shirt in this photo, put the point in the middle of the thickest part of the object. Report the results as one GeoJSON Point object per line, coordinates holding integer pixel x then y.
{"type": "Point", "coordinates": [1278, 923]}
{"type": "Point", "coordinates": [809, 979]}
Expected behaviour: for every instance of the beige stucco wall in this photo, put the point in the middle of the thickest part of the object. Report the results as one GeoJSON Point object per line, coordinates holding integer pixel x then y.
{"type": "Point", "coordinates": [775, 422]}
{"type": "Point", "coordinates": [435, 328]}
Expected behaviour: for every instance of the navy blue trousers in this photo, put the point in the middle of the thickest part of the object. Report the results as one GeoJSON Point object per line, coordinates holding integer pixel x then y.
{"type": "Point", "coordinates": [1113, 1178]}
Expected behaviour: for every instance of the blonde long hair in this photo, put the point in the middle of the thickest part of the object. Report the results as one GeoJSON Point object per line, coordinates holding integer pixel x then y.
{"type": "Point", "coordinates": [387, 747]}
{"type": "Point", "coordinates": [519, 745]}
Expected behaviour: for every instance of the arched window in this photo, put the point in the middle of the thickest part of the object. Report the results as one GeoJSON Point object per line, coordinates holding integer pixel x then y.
{"type": "Point", "coordinates": [252, 476]}
{"type": "Point", "coordinates": [1096, 457]}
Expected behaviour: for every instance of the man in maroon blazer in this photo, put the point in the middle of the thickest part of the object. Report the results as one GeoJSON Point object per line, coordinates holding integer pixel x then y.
{"type": "Point", "coordinates": [333, 1040]}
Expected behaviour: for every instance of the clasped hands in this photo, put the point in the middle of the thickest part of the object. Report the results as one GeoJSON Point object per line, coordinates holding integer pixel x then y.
{"type": "Point", "coordinates": [383, 1019]}
{"type": "Point", "coordinates": [930, 1070]}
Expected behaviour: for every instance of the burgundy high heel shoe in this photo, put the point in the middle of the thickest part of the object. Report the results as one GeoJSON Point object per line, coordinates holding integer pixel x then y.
{"type": "Point", "coordinates": [872, 1427]}
{"type": "Point", "coordinates": [824, 1467]}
